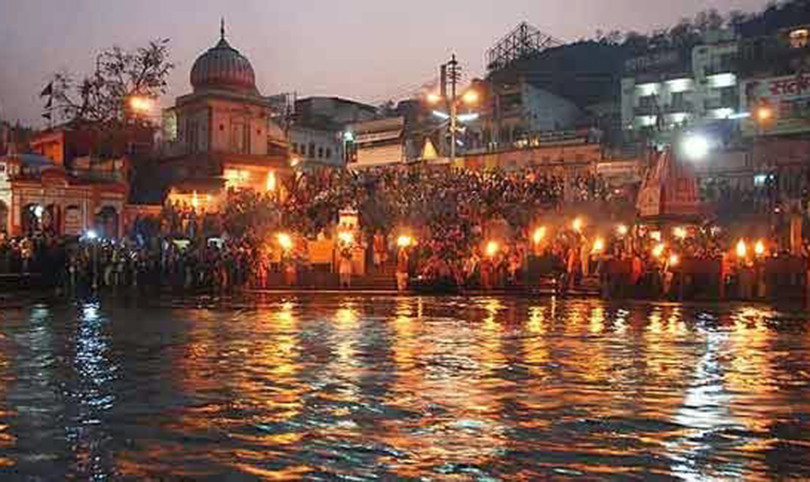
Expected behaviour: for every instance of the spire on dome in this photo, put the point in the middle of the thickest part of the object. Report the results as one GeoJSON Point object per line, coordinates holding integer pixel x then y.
{"type": "Point", "coordinates": [222, 28]}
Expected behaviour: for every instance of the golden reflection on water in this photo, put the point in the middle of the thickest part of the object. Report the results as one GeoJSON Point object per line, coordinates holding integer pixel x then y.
{"type": "Point", "coordinates": [453, 389]}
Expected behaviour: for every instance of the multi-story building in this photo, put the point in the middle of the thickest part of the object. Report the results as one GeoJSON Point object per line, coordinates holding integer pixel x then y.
{"type": "Point", "coordinates": [317, 131]}
{"type": "Point", "coordinates": [666, 90]}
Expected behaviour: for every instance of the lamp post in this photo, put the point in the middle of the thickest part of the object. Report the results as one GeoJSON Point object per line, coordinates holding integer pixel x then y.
{"type": "Point", "coordinates": [451, 72]}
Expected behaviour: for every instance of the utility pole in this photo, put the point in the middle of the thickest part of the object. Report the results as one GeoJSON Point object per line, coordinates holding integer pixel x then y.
{"type": "Point", "coordinates": [454, 74]}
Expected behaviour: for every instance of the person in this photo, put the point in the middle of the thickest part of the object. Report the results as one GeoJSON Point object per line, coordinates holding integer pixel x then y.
{"type": "Point", "coordinates": [345, 268]}
{"type": "Point", "coordinates": [379, 249]}
{"type": "Point", "coordinates": [402, 270]}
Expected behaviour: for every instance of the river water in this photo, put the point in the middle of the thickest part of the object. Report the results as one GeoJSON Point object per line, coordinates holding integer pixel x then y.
{"type": "Point", "coordinates": [361, 388]}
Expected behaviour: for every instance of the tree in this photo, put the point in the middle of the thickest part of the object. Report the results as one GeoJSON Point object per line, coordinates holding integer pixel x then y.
{"type": "Point", "coordinates": [102, 98]}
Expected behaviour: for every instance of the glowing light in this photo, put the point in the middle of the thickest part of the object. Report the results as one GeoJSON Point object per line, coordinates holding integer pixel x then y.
{"type": "Point", "coordinates": [195, 201]}
{"type": "Point", "coordinates": [271, 181]}
{"type": "Point", "coordinates": [285, 241]}
{"type": "Point", "coordinates": [674, 260]}
{"type": "Point", "coordinates": [598, 245]}
{"type": "Point", "coordinates": [441, 115]}
{"type": "Point", "coordinates": [294, 161]}
{"type": "Point", "coordinates": [679, 232]}
{"type": "Point", "coordinates": [759, 249]}
{"type": "Point", "coordinates": [742, 249]}
{"type": "Point", "coordinates": [656, 235]}
{"type": "Point", "coordinates": [578, 224]}
{"type": "Point", "coordinates": [434, 98]}
{"type": "Point", "coordinates": [38, 211]}
{"type": "Point", "coordinates": [764, 114]}
{"type": "Point", "coordinates": [405, 241]}
{"type": "Point", "coordinates": [140, 104]}
{"type": "Point", "coordinates": [348, 136]}
{"type": "Point", "coordinates": [91, 235]}
{"type": "Point", "coordinates": [696, 147]}
{"type": "Point", "coordinates": [346, 237]}
{"type": "Point", "coordinates": [658, 250]}
{"type": "Point", "coordinates": [467, 117]}
{"type": "Point", "coordinates": [492, 248]}
{"type": "Point", "coordinates": [622, 230]}
{"type": "Point", "coordinates": [539, 235]}
{"type": "Point", "coordinates": [470, 97]}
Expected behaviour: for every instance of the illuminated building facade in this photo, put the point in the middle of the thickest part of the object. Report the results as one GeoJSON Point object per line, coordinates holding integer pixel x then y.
{"type": "Point", "coordinates": [221, 136]}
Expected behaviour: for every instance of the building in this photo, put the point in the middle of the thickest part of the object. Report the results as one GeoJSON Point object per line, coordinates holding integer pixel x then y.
{"type": "Point", "coordinates": [221, 136]}
{"type": "Point", "coordinates": [377, 143]}
{"type": "Point", "coordinates": [317, 130]}
{"type": "Point", "coordinates": [536, 85]}
{"type": "Point", "coordinates": [776, 82]}
{"type": "Point", "coordinates": [665, 91]}
{"type": "Point", "coordinates": [38, 194]}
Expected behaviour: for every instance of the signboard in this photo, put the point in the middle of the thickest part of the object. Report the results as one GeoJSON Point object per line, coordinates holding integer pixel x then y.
{"type": "Point", "coordinates": [656, 61]}
{"type": "Point", "coordinates": [73, 221]}
{"type": "Point", "coordinates": [788, 97]}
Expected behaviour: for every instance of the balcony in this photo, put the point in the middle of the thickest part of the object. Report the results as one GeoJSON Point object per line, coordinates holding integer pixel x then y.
{"type": "Point", "coordinates": [713, 104]}
{"type": "Point", "coordinates": [679, 107]}
{"type": "Point", "coordinates": [645, 110]}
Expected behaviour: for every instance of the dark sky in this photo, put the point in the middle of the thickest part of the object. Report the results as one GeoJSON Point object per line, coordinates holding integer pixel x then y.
{"type": "Point", "coordinates": [368, 50]}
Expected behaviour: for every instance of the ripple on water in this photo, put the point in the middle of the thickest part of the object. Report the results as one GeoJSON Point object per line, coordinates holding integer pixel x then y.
{"type": "Point", "coordinates": [360, 388]}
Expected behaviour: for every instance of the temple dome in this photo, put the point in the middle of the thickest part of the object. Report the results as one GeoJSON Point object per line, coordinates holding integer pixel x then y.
{"type": "Point", "coordinates": [223, 67]}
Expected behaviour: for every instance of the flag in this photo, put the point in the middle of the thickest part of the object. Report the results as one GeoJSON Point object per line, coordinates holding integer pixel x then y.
{"type": "Point", "coordinates": [47, 91]}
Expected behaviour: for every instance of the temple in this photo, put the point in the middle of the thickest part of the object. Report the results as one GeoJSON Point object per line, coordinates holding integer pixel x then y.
{"type": "Point", "coordinates": [221, 135]}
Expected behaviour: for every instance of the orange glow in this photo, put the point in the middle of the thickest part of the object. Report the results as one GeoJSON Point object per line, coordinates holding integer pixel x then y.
{"type": "Point", "coordinates": [434, 98]}
{"type": "Point", "coordinates": [658, 250]}
{"type": "Point", "coordinates": [470, 97]}
{"type": "Point", "coordinates": [598, 245]}
{"type": "Point", "coordinates": [492, 248]}
{"type": "Point", "coordinates": [578, 224]}
{"type": "Point", "coordinates": [622, 230]}
{"type": "Point", "coordinates": [759, 249]}
{"type": "Point", "coordinates": [271, 181]}
{"type": "Point", "coordinates": [285, 241]}
{"type": "Point", "coordinates": [764, 114]}
{"type": "Point", "coordinates": [674, 260]}
{"type": "Point", "coordinates": [679, 232]}
{"type": "Point", "coordinates": [742, 249]}
{"type": "Point", "coordinates": [539, 235]}
{"type": "Point", "coordinates": [140, 103]}
{"type": "Point", "coordinates": [346, 237]}
{"type": "Point", "coordinates": [405, 241]}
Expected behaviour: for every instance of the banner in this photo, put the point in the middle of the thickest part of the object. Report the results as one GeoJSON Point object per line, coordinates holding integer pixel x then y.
{"type": "Point", "coordinates": [789, 99]}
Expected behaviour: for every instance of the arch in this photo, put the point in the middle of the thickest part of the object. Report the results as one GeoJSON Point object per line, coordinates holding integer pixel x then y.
{"type": "Point", "coordinates": [107, 222]}
{"type": "Point", "coordinates": [51, 220]}
{"type": "Point", "coordinates": [32, 218]}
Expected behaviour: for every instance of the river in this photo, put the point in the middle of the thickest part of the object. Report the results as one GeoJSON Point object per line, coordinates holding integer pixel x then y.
{"type": "Point", "coordinates": [418, 388]}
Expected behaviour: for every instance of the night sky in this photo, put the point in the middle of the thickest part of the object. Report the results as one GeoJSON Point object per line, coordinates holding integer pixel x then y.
{"type": "Point", "coordinates": [368, 50]}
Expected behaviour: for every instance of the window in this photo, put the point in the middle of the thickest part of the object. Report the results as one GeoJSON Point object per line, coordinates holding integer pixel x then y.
{"type": "Point", "coordinates": [320, 152]}
{"type": "Point", "coordinates": [328, 153]}
{"type": "Point", "coordinates": [295, 147]}
{"type": "Point", "coordinates": [311, 149]}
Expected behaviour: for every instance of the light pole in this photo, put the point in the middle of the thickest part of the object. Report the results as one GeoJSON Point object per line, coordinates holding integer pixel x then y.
{"type": "Point", "coordinates": [451, 72]}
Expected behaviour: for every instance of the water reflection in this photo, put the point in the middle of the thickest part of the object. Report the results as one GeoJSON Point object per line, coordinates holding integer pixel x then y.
{"type": "Point", "coordinates": [435, 388]}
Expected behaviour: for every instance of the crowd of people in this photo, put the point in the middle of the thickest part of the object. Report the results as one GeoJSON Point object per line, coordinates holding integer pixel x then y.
{"type": "Point", "coordinates": [470, 229]}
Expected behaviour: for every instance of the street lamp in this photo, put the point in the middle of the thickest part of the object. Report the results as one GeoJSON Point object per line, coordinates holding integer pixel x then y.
{"type": "Point", "coordinates": [140, 104]}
